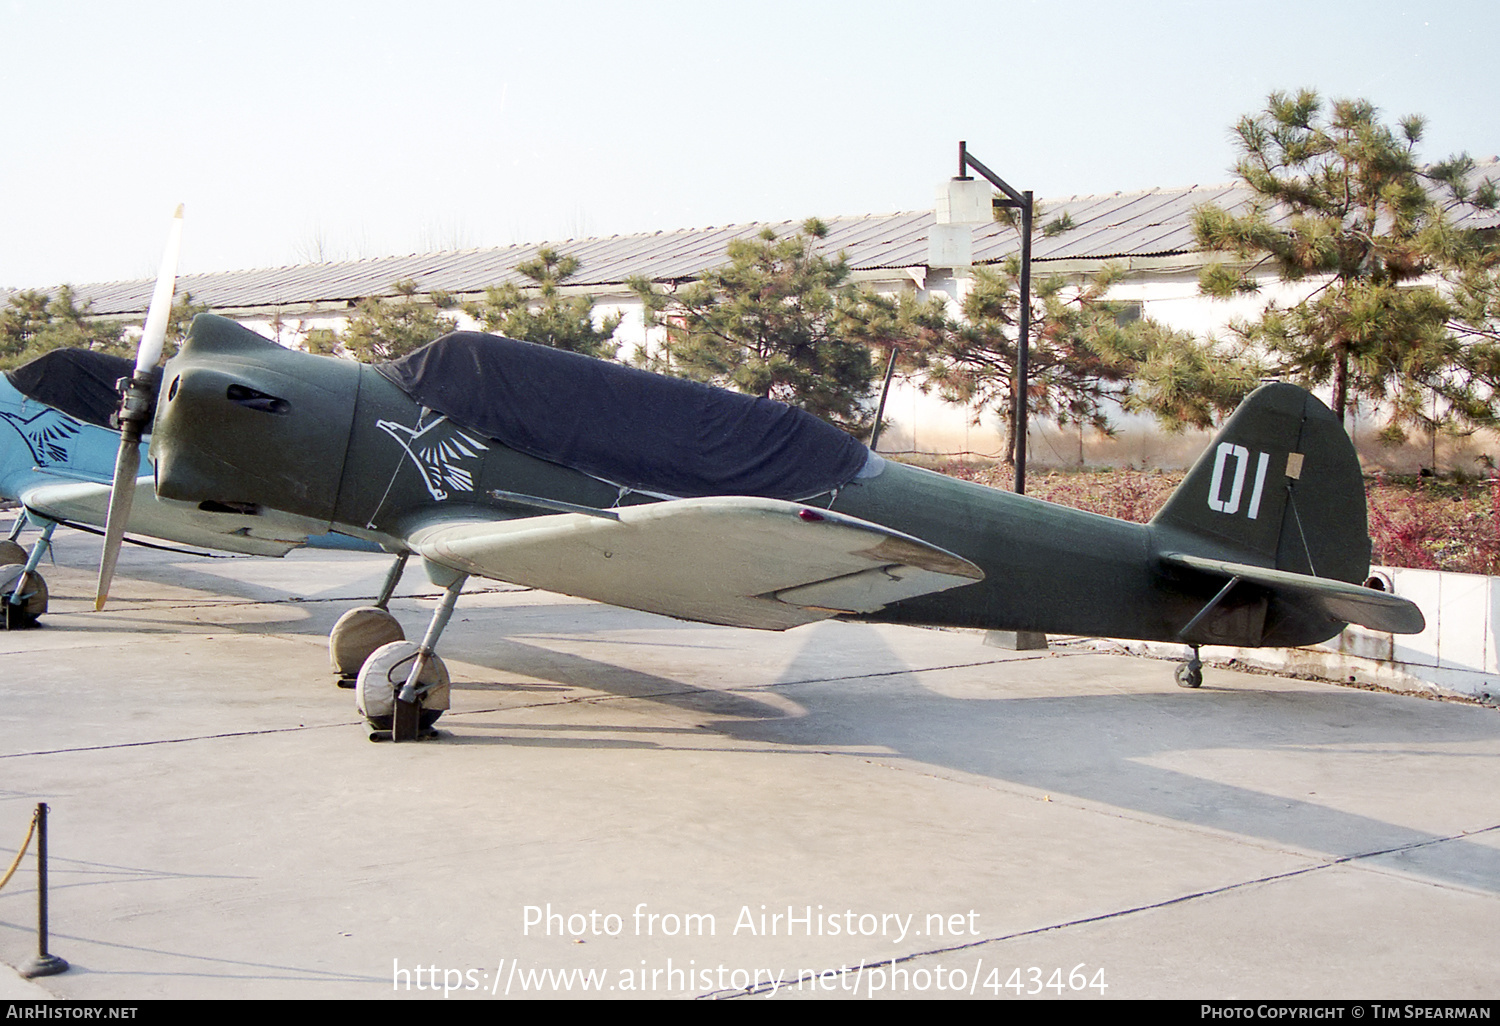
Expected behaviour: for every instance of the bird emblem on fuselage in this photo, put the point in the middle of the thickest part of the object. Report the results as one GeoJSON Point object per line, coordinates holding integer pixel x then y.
{"type": "Point", "coordinates": [440, 451]}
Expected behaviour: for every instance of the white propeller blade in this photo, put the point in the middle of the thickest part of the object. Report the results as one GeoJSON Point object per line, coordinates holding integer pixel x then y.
{"type": "Point", "coordinates": [149, 353]}
{"type": "Point", "coordinates": [133, 417]}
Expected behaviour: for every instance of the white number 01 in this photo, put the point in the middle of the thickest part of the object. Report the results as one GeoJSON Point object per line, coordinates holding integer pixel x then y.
{"type": "Point", "coordinates": [1241, 456]}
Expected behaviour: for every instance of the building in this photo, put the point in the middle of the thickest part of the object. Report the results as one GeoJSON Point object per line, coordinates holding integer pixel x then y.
{"type": "Point", "coordinates": [1149, 232]}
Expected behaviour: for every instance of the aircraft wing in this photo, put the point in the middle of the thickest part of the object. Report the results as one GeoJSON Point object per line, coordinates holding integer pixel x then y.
{"type": "Point", "coordinates": [744, 562]}
{"type": "Point", "coordinates": [1352, 603]}
{"type": "Point", "coordinates": [84, 502]}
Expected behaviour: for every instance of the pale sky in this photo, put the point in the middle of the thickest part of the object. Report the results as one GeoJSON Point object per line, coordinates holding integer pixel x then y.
{"type": "Point", "coordinates": [373, 128]}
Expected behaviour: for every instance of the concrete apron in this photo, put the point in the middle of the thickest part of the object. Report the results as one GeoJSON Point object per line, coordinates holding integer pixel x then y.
{"type": "Point", "coordinates": [650, 808]}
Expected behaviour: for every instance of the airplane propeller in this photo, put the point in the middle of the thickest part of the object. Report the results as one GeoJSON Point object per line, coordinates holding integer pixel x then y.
{"type": "Point", "coordinates": [135, 413]}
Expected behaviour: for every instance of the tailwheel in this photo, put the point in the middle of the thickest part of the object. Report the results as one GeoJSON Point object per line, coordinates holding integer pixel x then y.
{"type": "Point", "coordinates": [384, 674]}
{"type": "Point", "coordinates": [10, 552]}
{"type": "Point", "coordinates": [23, 596]}
{"type": "Point", "coordinates": [356, 636]}
{"type": "Point", "coordinates": [1190, 673]}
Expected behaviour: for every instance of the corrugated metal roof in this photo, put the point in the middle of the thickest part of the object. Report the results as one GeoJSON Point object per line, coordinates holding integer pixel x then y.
{"type": "Point", "coordinates": [1156, 222]}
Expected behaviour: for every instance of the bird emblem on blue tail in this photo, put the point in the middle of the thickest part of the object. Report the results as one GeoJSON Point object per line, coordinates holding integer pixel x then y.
{"type": "Point", "coordinates": [46, 434]}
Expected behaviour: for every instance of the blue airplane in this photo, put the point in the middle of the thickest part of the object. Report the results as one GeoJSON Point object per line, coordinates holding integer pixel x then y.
{"type": "Point", "coordinates": [58, 451]}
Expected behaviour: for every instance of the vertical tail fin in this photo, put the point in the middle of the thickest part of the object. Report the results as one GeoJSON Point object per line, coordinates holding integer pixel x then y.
{"type": "Point", "coordinates": [1280, 487]}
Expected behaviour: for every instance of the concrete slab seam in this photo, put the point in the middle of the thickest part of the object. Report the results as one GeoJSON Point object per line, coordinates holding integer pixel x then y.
{"type": "Point", "coordinates": [1121, 913]}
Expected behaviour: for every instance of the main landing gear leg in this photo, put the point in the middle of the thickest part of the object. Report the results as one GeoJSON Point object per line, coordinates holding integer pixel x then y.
{"type": "Point", "coordinates": [362, 630]}
{"type": "Point", "coordinates": [392, 578]}
{"type": "Point", "coordinates": [403, 687]}
{"type": "Point", "coordinates": [408, 699]}
{"type": "Point", "coordinates": [23, 592]}
{"type": "Point", "coordinates": [1190, 673]}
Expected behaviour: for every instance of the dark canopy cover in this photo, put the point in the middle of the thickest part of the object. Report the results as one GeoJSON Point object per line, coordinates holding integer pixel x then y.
{"type": "Point", "coordinates": [80, 382]}
{"type": "Point", "coordinates": [630, 427]}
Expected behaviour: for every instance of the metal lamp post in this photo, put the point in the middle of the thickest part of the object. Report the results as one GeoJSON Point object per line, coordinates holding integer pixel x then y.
{"type": "Point", "coordinates": [1021, 201]}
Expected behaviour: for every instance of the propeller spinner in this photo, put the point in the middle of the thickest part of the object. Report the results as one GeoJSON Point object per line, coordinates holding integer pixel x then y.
{"type": "Point", "coordinates": [135, 414]}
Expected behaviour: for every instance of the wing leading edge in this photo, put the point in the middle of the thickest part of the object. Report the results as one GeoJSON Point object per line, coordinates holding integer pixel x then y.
{"type": "Point", "coordinates": [743, 562]}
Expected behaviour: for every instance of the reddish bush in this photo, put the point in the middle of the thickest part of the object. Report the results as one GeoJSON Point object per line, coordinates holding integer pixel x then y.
{"type": "Point", "coordinates": [1435, 525]}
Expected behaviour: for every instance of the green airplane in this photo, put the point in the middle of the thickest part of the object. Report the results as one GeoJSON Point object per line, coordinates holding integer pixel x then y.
{"type": "Point", "coordinates": [489, 457]}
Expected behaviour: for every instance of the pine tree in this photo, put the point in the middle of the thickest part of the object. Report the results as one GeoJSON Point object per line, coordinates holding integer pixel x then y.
{"type": "Point", "coordinates": [1185, 381]}
{"type": "Point", "coordinates": [179, 320]}
{"type": "Point", "coordinates": [33, 323]}
{"type": "Point", "coordinates": [1342, 200]}
{"type": "Point", "coordinates": [778, 320]}
{"type": "Point", "coordinates": [384, 329]}
{"type": "Point", "coordinates": [22, 320]}
{"type": "Point", "coordinates": [548, 318]}
{"type": "Point", "coordinates": [1086, 359]}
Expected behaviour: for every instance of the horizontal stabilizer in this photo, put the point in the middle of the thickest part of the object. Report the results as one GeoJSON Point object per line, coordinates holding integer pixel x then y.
{"type": "Point", "coordinates": [744, 562]}
{"type": "Point", "coordinates": [1351, 603]}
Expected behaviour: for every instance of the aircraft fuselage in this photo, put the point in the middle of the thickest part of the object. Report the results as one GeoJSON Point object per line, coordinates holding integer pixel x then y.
{"type": "Point", "coordinates": [335, 441]}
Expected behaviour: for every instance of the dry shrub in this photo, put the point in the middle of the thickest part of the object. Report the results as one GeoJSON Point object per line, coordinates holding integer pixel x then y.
{"type": "Point", "coordinates": [1133, 495]}
{"type": "Point", "coordinates": [1434, 525]}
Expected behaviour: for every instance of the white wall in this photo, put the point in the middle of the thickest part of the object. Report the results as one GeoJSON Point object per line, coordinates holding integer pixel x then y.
{"type": "Point", "coordinates": [1458, 649]}
{"type": "Point", "coordinates": [1457, 653]}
